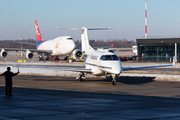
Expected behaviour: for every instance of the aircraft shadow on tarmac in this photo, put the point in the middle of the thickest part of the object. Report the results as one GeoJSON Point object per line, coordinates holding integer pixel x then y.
{"type": "Point", "coordinates": [135, 80]}
{"type": "Point", "coordinates": [123, 79]}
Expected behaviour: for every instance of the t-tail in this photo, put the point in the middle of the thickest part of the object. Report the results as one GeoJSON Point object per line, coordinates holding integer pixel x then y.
{"type": "Point", "coordinates": [84, 37]}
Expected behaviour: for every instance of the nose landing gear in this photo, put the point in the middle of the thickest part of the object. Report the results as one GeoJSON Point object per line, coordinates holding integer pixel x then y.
{"type": "Point", "coordinates": [112, 77]}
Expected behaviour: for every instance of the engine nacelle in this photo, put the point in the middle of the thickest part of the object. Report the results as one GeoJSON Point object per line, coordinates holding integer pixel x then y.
{"type": "Point", "coordinates": [77, 54]}
{"type": "Point", "coordinates": [107, 50]}
{"type": "Point", "coordinates": [3, 53]}
{"type": "Point", "coordinates": [29, 55]}
{"type": "Point", "coordinates": [110, 50]}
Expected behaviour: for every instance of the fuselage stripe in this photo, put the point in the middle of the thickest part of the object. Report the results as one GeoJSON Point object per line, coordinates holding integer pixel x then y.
{"type": "Point", "coordinates": [99, 66]}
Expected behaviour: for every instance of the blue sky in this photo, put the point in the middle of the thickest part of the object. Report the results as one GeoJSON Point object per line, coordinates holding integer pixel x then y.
{"type": "Point", "coordinates": [126, 17]}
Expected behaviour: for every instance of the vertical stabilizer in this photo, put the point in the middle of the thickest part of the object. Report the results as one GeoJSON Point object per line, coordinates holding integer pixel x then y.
{"type": "Point", "coordinates": [85, 41]}
{"type": "Point", "coordinates": [38, 34]}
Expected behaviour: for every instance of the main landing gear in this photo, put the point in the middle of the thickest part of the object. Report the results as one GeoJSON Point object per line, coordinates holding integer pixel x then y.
{"type": "Point", "coordinates": [81, 76]}
{"type": "Point", "coordinates": [112, 77]}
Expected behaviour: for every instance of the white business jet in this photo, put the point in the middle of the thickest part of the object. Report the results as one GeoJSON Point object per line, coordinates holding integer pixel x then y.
{"type": "Point", "coordinates": [62, 45]}
{"type": "Point", "coordinates": [98, 62]}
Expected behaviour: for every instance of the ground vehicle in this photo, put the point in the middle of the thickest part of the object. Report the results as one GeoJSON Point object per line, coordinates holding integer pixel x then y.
{"type": "Point", "coordinates": [134, 50]}
{"type": "Point", "coordinates": [124, 58]}
{"type": "Point", "coordinates": [133, 58]}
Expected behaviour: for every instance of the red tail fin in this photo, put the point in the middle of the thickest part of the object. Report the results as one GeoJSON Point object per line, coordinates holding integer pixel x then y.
{"type": "Point", "coordinates": [38, 34]}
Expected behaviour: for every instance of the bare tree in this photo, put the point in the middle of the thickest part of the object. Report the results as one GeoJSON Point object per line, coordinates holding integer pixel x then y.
{"type": "Point", "coordinates": [117, 43]}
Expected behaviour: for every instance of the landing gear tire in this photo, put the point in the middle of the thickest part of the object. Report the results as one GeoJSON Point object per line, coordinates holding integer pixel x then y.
{"type": "Point", "coordinates": [113, 82]}
{"type": "Point", "coordinates": [113, 79]}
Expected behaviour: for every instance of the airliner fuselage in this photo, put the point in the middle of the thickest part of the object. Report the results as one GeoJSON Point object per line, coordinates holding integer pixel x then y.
{"type": "Point", "coordinates": [59, 46]}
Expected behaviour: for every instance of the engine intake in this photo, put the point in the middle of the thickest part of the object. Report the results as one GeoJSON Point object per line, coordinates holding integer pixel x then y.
{"type": "Point", "coordinates": [3, 53]}
{"type": "Point", "coordinates": [110, 50]}
{"type": "Point", "coordinates": [77, 54]}
{"type": "Point", "coordinates": [29, 55]}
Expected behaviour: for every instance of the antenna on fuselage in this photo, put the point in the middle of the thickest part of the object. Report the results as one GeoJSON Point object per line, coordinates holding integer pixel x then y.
{"type": "Point", "coordinates": [84, 37]}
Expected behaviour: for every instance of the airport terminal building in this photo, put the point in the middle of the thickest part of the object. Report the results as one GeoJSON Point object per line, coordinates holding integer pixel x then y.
{"type": "Point", "coordinates": [158, 50]}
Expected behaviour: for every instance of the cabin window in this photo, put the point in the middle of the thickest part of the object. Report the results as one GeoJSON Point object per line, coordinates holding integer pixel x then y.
{"type": "Point", "coordinates": [109, 57]}
{"type": "Point", "coordinates": [69, 38]}
{"type": "Point", "coordinates": [115, 57]}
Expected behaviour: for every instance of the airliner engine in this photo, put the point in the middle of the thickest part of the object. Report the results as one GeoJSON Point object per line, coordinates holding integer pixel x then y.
{"type": "Point", "coordinates": [3, 53]}
{"type": "Point", "coordinates": [29, 55]}
{"type": "Point", "coordinates": [77, 54]}
{"type": "Point", "coordinates": [109, 50]}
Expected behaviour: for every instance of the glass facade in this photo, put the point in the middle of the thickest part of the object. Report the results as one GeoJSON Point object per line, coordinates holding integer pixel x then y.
{"type": "Point", "coordinates": [158, 53]}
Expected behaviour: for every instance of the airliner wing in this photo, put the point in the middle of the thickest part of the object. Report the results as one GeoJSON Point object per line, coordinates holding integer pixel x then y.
{"type": "Point", "coordinates": [26, 43]}
{"type": "Point", "coordinates": [142, 67]}
{"type": "Point", "coordinates": [59, 68]}
{"type": "Point", "coordinates": [31, 50]}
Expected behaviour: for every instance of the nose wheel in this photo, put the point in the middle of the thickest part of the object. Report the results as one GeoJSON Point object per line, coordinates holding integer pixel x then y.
{"type": "Point", "coordinates": [113, 82]}
{"type": "Point", "coordinates": [113, 79]}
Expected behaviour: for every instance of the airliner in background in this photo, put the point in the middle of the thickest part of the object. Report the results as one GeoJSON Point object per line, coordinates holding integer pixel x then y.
{"type": "Point", "coordinates": [100, 62]}
{"type": "Point", "coordinates": [59, 46]}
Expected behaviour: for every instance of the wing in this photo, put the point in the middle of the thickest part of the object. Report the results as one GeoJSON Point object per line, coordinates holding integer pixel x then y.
{"type": "Point", "coordinates": [31, 50]}
{"type": "Point", "coordinates": [58, 68]}
{"type": "Point", "coordinates": [142, 67]}
{"type": "Point", "coordinates": [26, 43]}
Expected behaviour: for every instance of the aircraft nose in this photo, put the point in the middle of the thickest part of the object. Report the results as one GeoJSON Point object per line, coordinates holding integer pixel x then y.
{"type": "Point", "coordinates": [117, 70]}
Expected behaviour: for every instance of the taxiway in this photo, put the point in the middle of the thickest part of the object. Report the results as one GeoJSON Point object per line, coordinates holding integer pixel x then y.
{"type": "Point", "coordinates": [47, 97]}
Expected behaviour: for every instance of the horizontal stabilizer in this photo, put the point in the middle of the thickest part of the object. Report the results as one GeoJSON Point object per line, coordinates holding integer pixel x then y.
{"type": "Point", "coordinates": [83, 28]}
{"type": "Point", "coordinates": [66, 28]}
{"type": "Point", "coordinates": [84, 37]}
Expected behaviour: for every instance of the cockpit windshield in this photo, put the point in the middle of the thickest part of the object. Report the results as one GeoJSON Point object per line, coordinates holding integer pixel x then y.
{"type": "Point", "coordinates": [69, 38]}
{"type": "Point", "coordinates": [109, 57]}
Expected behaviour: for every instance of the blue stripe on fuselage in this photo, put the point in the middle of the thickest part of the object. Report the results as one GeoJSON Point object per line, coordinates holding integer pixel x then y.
{"type": "Point", "coordinates": [38, 43]}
